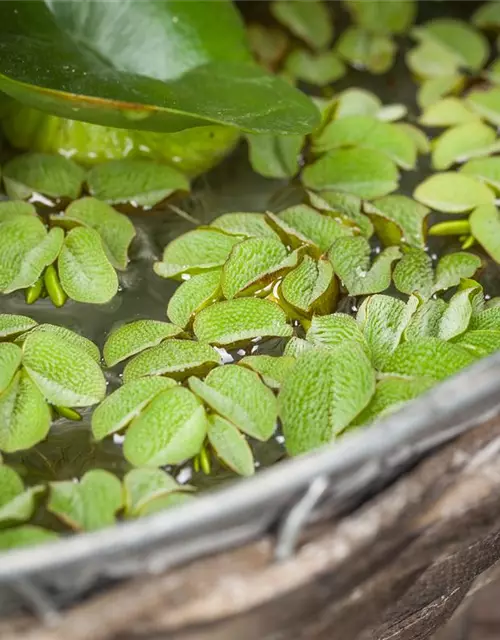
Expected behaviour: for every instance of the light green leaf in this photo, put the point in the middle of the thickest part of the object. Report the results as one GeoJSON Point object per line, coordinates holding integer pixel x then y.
{"type": "Point", "coordinates": [24, 415]}
{"type": "Point", "coordinates": [480, 343]}
{"type": "Point", "coordinates": [380, 16]}
{"type": "Point", "coordinates": [447, 112]}
{"type": "Point", "coordinates": [195, 251]}
{"type": "Point", "coordinates": [363, 172]}
{"type": "Point", "coordinates": [453, 193]}
{"type": "Point", "coordinates": [322, 394]}
{"type": "Point", "coordinates": [230, 322]}
{"type": "Point", "coordinates": [366, 50]}
{"type": "Point", "coordinates": [311, 287]}
{"type": "Point", "coordinates": [252, 264]}
{"type": "Point", "coordinates": [426, 320]}
{"type": "Point", "coordinates": [275, 156]}
{"type": "Point", "coordinates": [485, 169]}
{"type": "Point", "coordinates": [419, 138]}
{"type": "Point", "coordinates": [78, 341]}
{"type": "Point", "coordinates": [16, 504]}
{"type": "Point", "coordinates": [272, 369]}
{"type": "Point", "coordinates": [239, 395]}
{"type": "Point", "coordinates": [174, 358]}
{"type": "Point", "coordinates": [485, 227]}
{"type": "Point", "coordinates": [296, 347]}
{"type": "Point", "coordinates": [310, 21]}
{"type": "Point", "coordinates": [487, 16]}
{"type": "Point", "coordinates": [345, 206]}
{"type": "Point", "coordinates": [268, 44]}
{"type": "Point", "coordinates": [170, 430]}
{"type": "Point", "coordinates": [89, 505]}
{"type": "Point", "coordinates": [486, 104]}
{"type": "Point", "coordinates": [317, 69]}
{"type": "Point", "coordinates": [65, 374]}
{"type": "Point", "coordinates": [10, 359]}
{"type": "Point", "coordinates": [335, 330]}
{"type": "Point", "coordinates": [12, 325]}
{"type": "Point", "coordinates": [143, 183]}
{"type": "Point", "coordinates": [454, 267]}
{"type": "Point", "coordinates": [433, 89]}
{"type": "Point", "coordinates": [230, 446]}
{"type": "Point", "coordinates": [489, 319]}
{"type": "Point", "coordinates": [84, 270]}
{"type": "Point", "coordinates": [25, 536]}
{"type": "Point", "coordinates": [168, 501]}
{"type": "Point", "coordinates": [462, 142]}
{"type": "Point", "coordinates": [134, 337]}
{"type": "Point", "coordinates": [355, 101]}
{"type": "Point", "coordinates": [125, 404]}
{"type": "Point", "coordinates": [116, 230]}
{"type": "Point", "coordinates": [248, 225]}
{"type": "Point", "coordinates": [457, 315]}
{"type": "Point", "coordinates": [428, 358]}
{"type": "Point", "coordinates": [432, 60]}
{"type": "Point", "coordinates": [141, 486]}
{"type": "Point", "coordinates": [14, 208]}
{"type": "Point", "coordinates": [53, 176]}
{"type": "Point", "coordinates": [392, 112]}
{"type": "Point", "coordinates": [193, 295]}
{"type": "Point", "coordinates": [19, 236]}
{"type": "Point", "coordinates": [414, 273]}
{"type": "Point", "coordinates": [383, 320]}
{"type": "Point", "coordinates": [351, 262]}
{"type": "Point", "coordinates": [404, 217]}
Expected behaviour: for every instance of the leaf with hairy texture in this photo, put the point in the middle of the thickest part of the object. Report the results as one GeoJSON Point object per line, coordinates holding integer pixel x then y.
{"type": "Point", "coordinates": [272, 369]}
{"type": "Point", "coordinates": [323, 393]}
{"type": "Point", "coordinates": [428, 358]}
{"type": "Point", "coordinates": [334, 330]}
{"type": "Point", "coordinates": [426, 320]}
{"type": "Point", "coordinates": [173, 358]}
{"type": "Point", "coordinates": [25, 536]}
{"type": "Point", "coordinates": [366, 173]}
{"type": "Point", "coordinates": [85, 272]}
{"type": "Point", "coordinates": [170, 430]}
{"type": "Point", "coordinates": [143, 183]}
{"type": "Point", "coordinates": [311, 287]}
{"type": "Point", "coordinates": [295, 347]}
{"type": "Point", "coordinates": [12, 325]}
{"type": "Point", "coordinates": [116, 230]}
{"type": "Point", "coordinates": [485, 169]}
{"type": "Point", "coordinates": [311, 21]}
{"type": "Point", "coordinates": [194, 252]}
{"type": "Point", "coordinates": [232, 321]}
{"type": "Point", "coordinates": [414, 273]}
{"type": "Point", "coordinates": [65, 374]}
{"type": "Point", "coordinates": [230, 446]}
{"type": "Point", "coordinates": [486, 104]}
{"type": "Point", "coordinates": [447, 112]}
{"type": "Point", "coordinates": [238, 394]}
{"type": "Point", "coordinates": [345, 206]}
{"type": "Point", "coordinates": [383, 320]}
{"type": "Point", "coordinates": [317, 69]}
{"type": "Point", "coordinates": [78, 341]}
{"type": "Point", "coordinates": [193, 295]}
{"type": "Point", "coordinates": [248, 225]}
{"type": "Point", "coordinates": [24, 415]}
{"type": "Point", "coordinates": [275, 156]}
{"type": "Point", "coordinates": [457, 314]}
{"type": "Point", "coordinates": [350, 258]}
{"type": "Point", "coordinates": [88, 505]}
{"type": "Point", "coordinates": [141, 486]}
{"type": "Point", "coordinates": [488, 319]}
{"type": "Point", "coordinates": [383, 17]}
{"type": "Point", "coordinates": [10, 359]}
{"type": "Point", "coordinates": [16, 504]}
{"type": "Point", "coordinates": [19, 237]}
{"type": "Point", "coordinates": [452, 268]}
{"type": "Point", "coordinates": [363, 49]}
{"type": "Point", "coordinates": [52, 176]}
{"type": "Point", "coordinates": [462, 142]}
{"type": "Point", "coordinates": [485, 227]}
{"type": "Point", "coordinates": [453, 192]}
{"type": "Point", "coordinates": [480, 342]}
{"type": "Point", "coordinates": [398, 219]}
{"type": "Point", "coordinates": [14, 208]}
{"type": "Point", "coordinates": [119, 409]}
{"type": "Point", "coordinates": [133, 337]}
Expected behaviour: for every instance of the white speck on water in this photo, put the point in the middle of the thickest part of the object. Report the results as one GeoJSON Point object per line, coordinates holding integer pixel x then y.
{"type": "Point", "coordinates": [118, 438]}
{"type": "Point", "coordinates": [184, 475]}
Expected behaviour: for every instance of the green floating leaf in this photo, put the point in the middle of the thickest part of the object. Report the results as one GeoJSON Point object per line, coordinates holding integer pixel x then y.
{"type": "Point", "coordinates": [351, 262]}
{"type": "Point", "coordinates": [295, 347]}
{"type": "Point", "coordinates": [230, 446]}
{"type": "Point", "coordinates": [12, 325]}
{"type": "Point", "coordinates": [485, 227]}
{"type": "Point", "coordinates": [272, 369]}
{"type": "Point", "coordinates": [363, 172]}
{"type": "Point", "coordinates": [426, 320]}
{"type": "Point", "coordinates": [383, 320]}
{"type": "Point", "coordinates": [310, 287]}
{"type": "Point", "coordinates": [232, 321]}
{"type": "Point", "coordinates": [433, 89]}
{"type": "Point", "coordinates": [75, 339]}
{"type": "Point", "coordinates": [485, 169]}
{"type": "Point", "coordinates": [452, 268]}
{"type": "Point", "coordinates": [479, 343]}
{"type": "Point", "coordinates": [238, 394]}
{"type": "Point", "coordinates": [323, 393]}
{"type": "Point", "coordinates": [170, 430]}
{"type": "Point", "coordinates": [356, 101]}
{"type": "Point", "coordinates": [487, 16]}
{"type": "Point", "coordinates": [447, 112]}
{"type": "Point", "coordinates": [489, 319]}
{"type": "Point", "coordinates": [428, 358]}
{"type": "Point", "coordinates": [457, 315]}
{"type": "Point", "coordinates": [14, 208]}
{"type": "Point", "coordinates": [143, 183]}
{"type": "Point", "coordinates": [392, 112]}
{"type": "Point", "coordinates": [268, 45]}
{"type": "Point", "coordinates": [125, 404]}
{"type": "Point", "coordinates": [134, 337]}
{"type": "Point", "coordinates": [311, 21]}
{"type": "Point", "coordinates": [460, 143]}
{"type": "Point", "coordinates": [383, 17]}
{"type": "Point", "coordinates": [318, 69]}
{"type": "Point", "coordinates": [52, 176]}
{"type": "Point", "coordinates": [89, 505]}
{"type": "Point", "coordinates": [194, 252]}
{"type": "Point", "coordinates": [486, 104]}
{"type": "Point", "coordinates": [366, 50]}
{"type": "Point", "coordinates": [193, 295]}
{"type": "Point", "coordinates": [275, 156]}
{"type": "Point", "coordinates": [65, 374]}
{"type": "Point", "coordinates": [174, 358]}
{"type": "Point", "coordinates": [252, 265]}
{"type": "Point", "coordinates": [116, 230]}
{"type": "Point", "coordinates": [26, 536]}
{"type": "Point", "coordinates": [84, 270]}
{"type": "Point", "coordinates": [333, 203]}
{"type": "Point", "coordinates": [24, 415]}
{"type": "Point", "coordinates": [10, 359]}
{"type": "Point", "coordinates": [141, 486]}
{"type": "Point", "coordinates": [334, 330]}
{"type": "Point", "coordinates": [398, 219]}
{"type": "Point", "coordinates": [16, 504]}
{"type": "Point", "coordinates": [453, 193]}
{"type": "Point", "coordinates": [166, 502]}
{"type": "Point", "coordinates": [19, 236]}
{"type": "Point", "coordinates": [414, 273]}
{"type": "Point", "coordinates": [248, 225]}
{"type": "Point", "coordinates": [431, 60]}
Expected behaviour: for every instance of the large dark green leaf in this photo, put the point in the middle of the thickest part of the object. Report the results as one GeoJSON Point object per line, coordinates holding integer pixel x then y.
{"type": "Point", "coordinates": [160, 65]}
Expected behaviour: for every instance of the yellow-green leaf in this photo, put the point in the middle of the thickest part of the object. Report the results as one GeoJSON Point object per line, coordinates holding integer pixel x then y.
{"type": "Point", "coordinates": [230, 446]}
{"type": "Point", "coordinates": [453, 192]}
{"type": "Point", "coordinates": [193, 295]}
{"type": "Point", "coordinates": [134, 337]}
